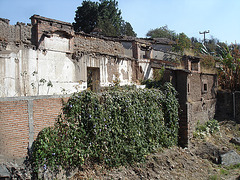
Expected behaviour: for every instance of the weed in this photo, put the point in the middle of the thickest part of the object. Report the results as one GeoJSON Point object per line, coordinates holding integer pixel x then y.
{"type": "Point", "coordinates": [210, 127]}
{"type": "Point", "coordinates": [214, 177]}
{"type": "Point", "coordinates": [224, 172]}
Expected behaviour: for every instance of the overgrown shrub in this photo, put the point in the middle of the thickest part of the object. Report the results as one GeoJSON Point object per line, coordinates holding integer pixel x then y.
{"type": "Point", "coordinates": [114, 128]}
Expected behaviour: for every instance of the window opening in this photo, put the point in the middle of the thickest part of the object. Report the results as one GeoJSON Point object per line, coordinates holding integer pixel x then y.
{"type": "Point", "coordinates": [205, 87]}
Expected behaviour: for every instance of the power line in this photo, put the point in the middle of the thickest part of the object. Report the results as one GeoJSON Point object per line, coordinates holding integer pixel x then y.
{"type": "Point", "coordinates": [204, 32]}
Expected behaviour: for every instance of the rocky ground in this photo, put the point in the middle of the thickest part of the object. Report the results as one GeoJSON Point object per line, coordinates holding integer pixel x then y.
{"type": "Point", "coordinates": [199, 161]}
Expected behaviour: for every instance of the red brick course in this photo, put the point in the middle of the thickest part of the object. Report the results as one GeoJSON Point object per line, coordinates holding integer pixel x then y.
{"type": "Point", "coordinates": [14, 122]}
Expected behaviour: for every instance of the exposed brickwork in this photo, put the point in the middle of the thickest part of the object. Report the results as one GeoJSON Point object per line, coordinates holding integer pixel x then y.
{"type": "Point", "coordinates": [43, 26]}
{"type": "Point", "coordinates": [97, 45]}
{"type": "Point", "coordinates": [89, 52]}
{"type": "Point", "coordinates": [45, 112]}
{"type": "Point", "coordinates": [195, 85]}
{"type": "Point", "coordinates": [15, 33]}
{"type": "Point", "coordinates": [14, 122]}
{"type": "Point", "coordinates": [197, 99]}
{"type": "Point", "coordinates": [211, 82]}
{"type": "Point", "coordinates": [14, 129]}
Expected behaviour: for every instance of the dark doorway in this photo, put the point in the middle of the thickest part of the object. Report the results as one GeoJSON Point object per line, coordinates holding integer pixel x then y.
{"type": "Point", "coordinates": [93, 79]}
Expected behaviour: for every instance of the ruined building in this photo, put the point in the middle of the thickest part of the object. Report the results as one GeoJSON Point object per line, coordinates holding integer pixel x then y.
{"type": "Point", "coordinates": [197, 95]}
{"type": "Point", "coordinates": [47, 57]}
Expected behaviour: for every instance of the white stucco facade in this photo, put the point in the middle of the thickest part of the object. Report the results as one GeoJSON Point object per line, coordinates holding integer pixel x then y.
{"type": "Point", "coordinates": [29, 72]}
{"type": "Point", "coordinates": [47, 57]}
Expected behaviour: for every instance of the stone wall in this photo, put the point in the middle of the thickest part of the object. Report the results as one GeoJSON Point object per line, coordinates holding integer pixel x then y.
{"type": "Point", "coordinates": [21, 119]}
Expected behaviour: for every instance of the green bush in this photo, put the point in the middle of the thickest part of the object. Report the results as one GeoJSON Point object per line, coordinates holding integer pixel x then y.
{"type": "Point", "coordinates": [210, 127]}
{"type": "Point", "coordinates": [114, 128]}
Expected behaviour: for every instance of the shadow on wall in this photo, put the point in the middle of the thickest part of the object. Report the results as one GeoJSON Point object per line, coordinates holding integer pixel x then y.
{"type": "Point", "coordinates": [228, 106]}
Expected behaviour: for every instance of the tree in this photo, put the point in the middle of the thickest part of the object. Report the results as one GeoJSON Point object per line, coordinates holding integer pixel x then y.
{"type": "Point", "coordinates": [104, 15]}
{"type": "Point", "coordinates": [109, 19]}
{"type": "Point", "coordinates": [196, 45]}
{"type": "Point", "coordinates": [162, 32]}
{"type": "Point", "coordinates": [211, 45]}
{"type": "Point", "coordinates": [229, 69]}
{"type": "Point", "coordinates": [86, 17]}
{"type": "Point", "coordinates": [126, 29]}
{"type": "Point", "coordinates": [182, 43]}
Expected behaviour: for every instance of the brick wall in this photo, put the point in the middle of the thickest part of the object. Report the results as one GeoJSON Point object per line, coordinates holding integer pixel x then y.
{"type": "Point", "coordinates": [21, 119]}
{"type": "Point", "coordinates": [43, 25]}
{"type": "Point", "coordinates": [15, 33]}
{"type": "Point", "coordinates": [196, 105]}
{"type": "Point", "coordinates": [97, 45]}
{"type": "Point", "coordinates": [14, 129]}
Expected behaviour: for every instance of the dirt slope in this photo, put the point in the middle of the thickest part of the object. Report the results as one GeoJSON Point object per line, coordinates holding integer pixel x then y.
{"type": "Point", "coordinates": [199, 161]}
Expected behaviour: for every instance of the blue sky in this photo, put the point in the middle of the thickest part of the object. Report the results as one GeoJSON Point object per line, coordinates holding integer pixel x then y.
{"type": "Point", "coordinates": [221, 17]}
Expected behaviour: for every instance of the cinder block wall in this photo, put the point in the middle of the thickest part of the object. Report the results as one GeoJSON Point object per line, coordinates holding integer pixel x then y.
{"type": "Point", "coordinates": [21, 119]}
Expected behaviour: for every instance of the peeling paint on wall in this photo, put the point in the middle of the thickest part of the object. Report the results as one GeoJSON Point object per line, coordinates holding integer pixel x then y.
{"type": "Point", "coordinates": [49, 51]}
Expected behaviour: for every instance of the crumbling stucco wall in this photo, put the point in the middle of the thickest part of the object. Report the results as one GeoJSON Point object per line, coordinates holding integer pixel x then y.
{"type": "Point", "coordinates": [24, 71]}
{"type": "Point", "coordinates": [49, 50]}
{"type": "Point", "coordinates": [146, 69]}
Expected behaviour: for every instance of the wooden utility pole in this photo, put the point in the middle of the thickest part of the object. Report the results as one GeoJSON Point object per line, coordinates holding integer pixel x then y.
{"type": "Point", "coordinates": [204, 32]}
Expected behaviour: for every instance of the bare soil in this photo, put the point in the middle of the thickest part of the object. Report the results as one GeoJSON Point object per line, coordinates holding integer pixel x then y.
{"type": "Point", "coordinates": [199, 161]}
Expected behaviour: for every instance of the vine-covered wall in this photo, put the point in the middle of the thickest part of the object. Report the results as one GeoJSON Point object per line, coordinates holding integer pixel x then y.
{"type": "Point", "coordinates": [114, 128]}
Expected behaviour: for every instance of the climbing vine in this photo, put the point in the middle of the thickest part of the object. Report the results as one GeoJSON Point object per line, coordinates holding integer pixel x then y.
{"type": "Point", "coordinates": [114, 128]}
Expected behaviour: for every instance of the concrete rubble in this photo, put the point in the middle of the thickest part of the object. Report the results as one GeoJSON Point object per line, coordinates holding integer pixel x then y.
{"type": "Point", "coordinates": [230, 158]}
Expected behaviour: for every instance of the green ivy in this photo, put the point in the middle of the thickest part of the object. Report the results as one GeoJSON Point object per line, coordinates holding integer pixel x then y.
{"type": "Point", "coordinates": [116, 127]}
